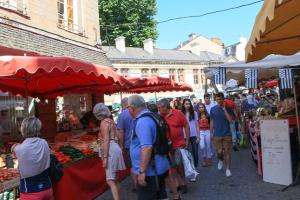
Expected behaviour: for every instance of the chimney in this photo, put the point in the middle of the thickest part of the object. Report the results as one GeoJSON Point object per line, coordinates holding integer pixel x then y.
{"type": "Point", "coordinates": [120, 43]}
{"type": "Point", "coordinates": [217, 41]}
{"type": "Point", "coordinates": [192, 36]}
{"type": "Point", "coordinates": [148, 45]}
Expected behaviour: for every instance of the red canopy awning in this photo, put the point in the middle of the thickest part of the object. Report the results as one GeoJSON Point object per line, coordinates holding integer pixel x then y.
{"type": "Point", "coordinates": [151, 80]}
{"type": "Point", "coordinates": [52, 76]}
{"type": "Point", "coordinates": [160, 88]}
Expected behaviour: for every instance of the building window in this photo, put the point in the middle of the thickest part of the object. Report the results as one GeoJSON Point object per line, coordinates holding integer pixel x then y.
{"type": "Point", "coordinates": [172, 74]}
{"type": "Point", "coordinates": [125, 72]}
{"type": "Point", "coordinates": [69, 16]}
{"type": "Point", "coordinates": [180, 75]}
{"type": "Point", "coordinates": [145, 72]}
{"type": "Point", "coordinates": [154, 72]}
{"type": "Point", "coordinates": [17, 5]}
{"type": "Point", "coordinates": [202, 74]}
{"type": "Point", "coordinates": [196, 76]}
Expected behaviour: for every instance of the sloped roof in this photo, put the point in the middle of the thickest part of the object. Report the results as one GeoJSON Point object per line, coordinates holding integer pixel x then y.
{"type": "Point", "coordinates": [160, 55]}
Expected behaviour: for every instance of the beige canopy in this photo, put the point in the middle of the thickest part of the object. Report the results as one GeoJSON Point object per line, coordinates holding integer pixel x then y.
{"type": "Point", "coordinates": [276, 30]}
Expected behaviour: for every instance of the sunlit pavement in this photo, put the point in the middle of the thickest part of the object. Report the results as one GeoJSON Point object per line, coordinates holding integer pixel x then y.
{"type": "Point", "coordinates": [212, 184]}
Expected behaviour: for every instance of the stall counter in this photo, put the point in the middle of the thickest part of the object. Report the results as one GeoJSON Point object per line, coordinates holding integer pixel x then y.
{"type": "Point", "coordinates": [84, 179]}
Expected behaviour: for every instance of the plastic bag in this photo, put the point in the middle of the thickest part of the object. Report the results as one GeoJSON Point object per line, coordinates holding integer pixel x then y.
{"type": "Point", "coordinates": [188, 163]}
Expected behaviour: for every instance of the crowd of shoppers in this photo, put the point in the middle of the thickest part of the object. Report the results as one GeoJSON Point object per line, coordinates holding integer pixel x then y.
{"type": "Point", "coordinates": [203, 128]}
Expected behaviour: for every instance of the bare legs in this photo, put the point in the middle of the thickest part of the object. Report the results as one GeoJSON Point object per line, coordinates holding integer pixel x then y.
{"type": "Point", "coordinates": [115, 188]}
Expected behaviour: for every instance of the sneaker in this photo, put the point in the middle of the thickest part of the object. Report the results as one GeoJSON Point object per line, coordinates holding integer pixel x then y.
{"type": "Point", "coordinates": [235, 148]}
{"type": "Point", "coordinates": [228, 173]}
{"type": "Point", "coordinates": [193, 179]}
{"type": "Point", "coordinates": [220, 165]}
{"type": "Point", "coordinates": [183, 189]}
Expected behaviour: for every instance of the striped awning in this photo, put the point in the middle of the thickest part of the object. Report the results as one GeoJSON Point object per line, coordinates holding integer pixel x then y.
{"type": "Point", "coordinates": [276, 30]}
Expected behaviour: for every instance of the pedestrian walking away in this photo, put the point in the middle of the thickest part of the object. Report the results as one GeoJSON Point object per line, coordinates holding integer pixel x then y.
{"type": "Point", "coordinates": [220, 118]}
{"type": "Point", "coordinates": [233, 124]}
{"type": "Point", "coordinates": [151, 169]}
{"type": "Point", "coordinates": [177, 122]}
{"type": "Point", "coordinates": [124, 126]}
{"type": "Point", "coordinates": [205, 137]}
{"type": "Point", "coordinates": [110, 151]}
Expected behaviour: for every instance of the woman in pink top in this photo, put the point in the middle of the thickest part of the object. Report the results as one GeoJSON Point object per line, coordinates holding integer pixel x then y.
{"type": "Point", "coordinates": [205, 139]}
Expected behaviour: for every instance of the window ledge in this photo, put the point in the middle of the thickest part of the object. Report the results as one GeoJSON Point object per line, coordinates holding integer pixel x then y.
{"type": "Point", "coordinates": [82, 34]}
{"type": "Point", "coordinates": [15, 12]}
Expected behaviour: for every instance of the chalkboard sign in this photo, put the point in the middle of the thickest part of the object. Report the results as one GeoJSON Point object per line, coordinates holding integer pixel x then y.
{"type": "Point", "coordinates": [276, 151]}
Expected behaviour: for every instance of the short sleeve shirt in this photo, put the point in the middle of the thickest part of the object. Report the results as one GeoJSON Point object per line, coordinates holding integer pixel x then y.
{"type": "Point", "coordinates": [145, 133]}
{"type": "Point", "coordinates": [33, 156]}
{"type": "Point", "coordinates": [125, 123]}
{"type": "Point", "coordinates": [220, 123]}
{"type": "Point", "coordinates": [176, 121]}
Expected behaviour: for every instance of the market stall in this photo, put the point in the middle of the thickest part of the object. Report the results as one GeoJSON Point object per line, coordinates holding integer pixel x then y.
{"type": "Point", "coordinates": [63, 86]}
{"type": "Point", "coordinates": [277, 101]}
{"type": "Point", "coordinates": [48, 77]}
{"type": "Point", "coordinates": [275, 30]}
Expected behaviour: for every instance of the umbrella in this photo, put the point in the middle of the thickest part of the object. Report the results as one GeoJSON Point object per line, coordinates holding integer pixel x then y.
{"type": "Point", "coordinates": [276, 30]}
{"type": "Point", "coordinates": [51, 76]}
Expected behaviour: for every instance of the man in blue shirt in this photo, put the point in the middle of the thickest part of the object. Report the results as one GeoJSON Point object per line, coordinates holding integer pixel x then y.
{"type": "Point", "coordinates": [124, 126]}
{"type": "Point", "coordinates": [150, 173]}
{"type": "Point", "coordinates": [221, 116]}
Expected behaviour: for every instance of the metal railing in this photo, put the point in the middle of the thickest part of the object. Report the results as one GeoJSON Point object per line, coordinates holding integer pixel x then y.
{"type": "Point", "coordinates": [17, 5]}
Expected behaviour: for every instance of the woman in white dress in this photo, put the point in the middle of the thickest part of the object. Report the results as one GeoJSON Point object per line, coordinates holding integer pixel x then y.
{"type": "Point", "coordinates": [110, 151]}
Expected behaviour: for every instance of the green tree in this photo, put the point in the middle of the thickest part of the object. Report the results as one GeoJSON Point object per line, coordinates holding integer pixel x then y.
{"type": "Point", "coordinates": [132, 19]}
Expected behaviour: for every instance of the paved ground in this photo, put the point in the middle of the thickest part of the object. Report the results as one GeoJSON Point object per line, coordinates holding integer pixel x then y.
{"type": "Point", "coordinates": [212, 184]}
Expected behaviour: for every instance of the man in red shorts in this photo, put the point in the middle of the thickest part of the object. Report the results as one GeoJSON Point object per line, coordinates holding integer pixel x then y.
{"type": "Point", "coordinates": [176, 121]}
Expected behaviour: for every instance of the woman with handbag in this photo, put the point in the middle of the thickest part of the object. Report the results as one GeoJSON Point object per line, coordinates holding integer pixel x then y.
{"type": "Point", "coordinates": [33, 156]}
{"type": "Point", "coordinates": [110, 151]}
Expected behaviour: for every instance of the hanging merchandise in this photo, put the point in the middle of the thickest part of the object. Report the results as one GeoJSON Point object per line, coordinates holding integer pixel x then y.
{"type": "Point", "coordinates": [220, 75]}
{"type": "Point", "coordinates": [251, 78]}
{"type": "Point", "coordinates": [286, 78]}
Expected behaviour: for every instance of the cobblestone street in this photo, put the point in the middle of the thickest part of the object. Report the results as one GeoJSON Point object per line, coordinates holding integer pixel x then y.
{"type": "Point", "coordinates": [212, 184]}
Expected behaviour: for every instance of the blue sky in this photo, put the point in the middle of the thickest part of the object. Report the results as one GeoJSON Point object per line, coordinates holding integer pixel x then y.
{"type": "Point", "coordinates": [228, 26]}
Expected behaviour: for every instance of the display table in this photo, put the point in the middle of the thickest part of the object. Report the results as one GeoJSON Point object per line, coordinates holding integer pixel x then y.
{"type": "Point", "coordinates": [84, 179]}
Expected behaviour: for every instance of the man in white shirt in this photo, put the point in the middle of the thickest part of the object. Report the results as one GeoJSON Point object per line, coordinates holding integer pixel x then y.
{"type": "Point", "coordinates": [207, 102]}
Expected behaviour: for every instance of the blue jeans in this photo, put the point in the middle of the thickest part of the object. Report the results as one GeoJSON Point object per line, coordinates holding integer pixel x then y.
{"type": "Point", "coordinates": [194, 148]}
{"type": "Point", "coordinates": [236, 135]}
{"type": "Point", "coordinates": [233, 133]}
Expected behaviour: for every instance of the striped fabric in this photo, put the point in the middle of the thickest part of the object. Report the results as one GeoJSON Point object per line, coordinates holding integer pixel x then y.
{"type": "Point", "coordinates": [220, 75]}
{"type": "Point", "coordinates": [251, 76]}
{"type": "Point", "coordinates": [286, 78]}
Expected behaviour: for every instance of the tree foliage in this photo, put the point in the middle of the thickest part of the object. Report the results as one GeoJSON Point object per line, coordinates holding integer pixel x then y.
{"type": "Point", "coordinates": [132, 19]}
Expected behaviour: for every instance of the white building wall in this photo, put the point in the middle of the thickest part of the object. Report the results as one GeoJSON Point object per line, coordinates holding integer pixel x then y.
{"type": "Point", "coordinates": [188, 77]}
{"type": "Point", "coordinates": [203, 44]}
{"type": "Point", "coordinates": [240, 49]}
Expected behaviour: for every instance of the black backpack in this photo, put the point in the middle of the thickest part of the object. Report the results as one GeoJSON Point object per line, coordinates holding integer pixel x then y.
{"type": "Point", "coordinates": [55, 170]}
{"type": "Point", "coordinates": [161, 145]}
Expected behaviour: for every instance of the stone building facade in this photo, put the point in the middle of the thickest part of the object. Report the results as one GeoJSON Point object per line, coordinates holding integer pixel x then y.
{"type": "Point", "coordinates": [50, 28]}
{"type": "Point", "coordinates": [183, 66]}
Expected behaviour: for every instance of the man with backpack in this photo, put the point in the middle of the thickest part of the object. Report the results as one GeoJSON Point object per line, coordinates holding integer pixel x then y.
{"type": "Point", "coordinates": [176, 122]}
{"type": "Point", "coordinates": [149, 159]}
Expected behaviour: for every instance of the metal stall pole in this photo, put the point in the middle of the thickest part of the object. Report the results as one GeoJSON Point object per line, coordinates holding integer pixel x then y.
{"type": "Point", "coordinates": [298, 129]}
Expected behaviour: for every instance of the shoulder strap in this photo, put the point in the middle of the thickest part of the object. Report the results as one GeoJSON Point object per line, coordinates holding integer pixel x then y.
{"type": "Point", "coordinates": [147, 114]}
